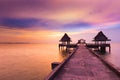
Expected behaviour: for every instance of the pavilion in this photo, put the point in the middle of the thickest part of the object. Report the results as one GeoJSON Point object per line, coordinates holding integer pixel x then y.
{"type": "Point", "coordinates": [100, 42]}
{"type": "Point", "coordinates": [65, 42]}
{"type": "Point", "coordinates": [100, 38]}
{"type": "Point", "coordinates": [65, 39]}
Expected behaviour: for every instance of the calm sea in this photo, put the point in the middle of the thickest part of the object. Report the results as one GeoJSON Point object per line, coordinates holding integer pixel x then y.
{"type": "Point", "coordinates": [114, 56]}
{"type": "Point", "coordinates": [27, 61]}
{"type": "Point", "coordinates": [33, 61]}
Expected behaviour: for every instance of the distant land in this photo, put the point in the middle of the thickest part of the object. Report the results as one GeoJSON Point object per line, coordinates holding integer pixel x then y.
{"type": "Point", "coordinates": [15, 43]}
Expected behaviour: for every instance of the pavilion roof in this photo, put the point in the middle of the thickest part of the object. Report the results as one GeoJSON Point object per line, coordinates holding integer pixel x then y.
{"type": "Point", "coordinates": [65, 38]}
{"type": "Point", "coordinates": [101, 37]}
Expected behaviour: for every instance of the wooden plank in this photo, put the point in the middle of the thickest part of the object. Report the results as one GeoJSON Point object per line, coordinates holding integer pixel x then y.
{"type": "Point", "coordinates": [83, 65]}
{"type": "Point", "coordinates": [58, 68]}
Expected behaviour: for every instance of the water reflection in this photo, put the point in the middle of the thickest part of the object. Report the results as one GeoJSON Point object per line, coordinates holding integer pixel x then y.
{"type": "Point", "coordinates": [27, 61]}
{"type": "Point", "coordinates": [33, 61]}
{"type": "Point", "coordinates": [64, 53]}
{"type": "Point", "coordinates": [113, 56]}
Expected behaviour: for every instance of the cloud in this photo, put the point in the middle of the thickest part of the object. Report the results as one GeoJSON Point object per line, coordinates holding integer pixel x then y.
{"type": "Point", "coordinates": [33, 23]}
{"type": "Point", "coordinates": [55, 14]}
{"type": "Point", "coordinates": [24, 20]}
{"type": "Point", "coordinates": [78, 24]}
{"type": "Point", "coordinates": [25, 23]}
{"type": "Point", "coordinates": [18, 23]}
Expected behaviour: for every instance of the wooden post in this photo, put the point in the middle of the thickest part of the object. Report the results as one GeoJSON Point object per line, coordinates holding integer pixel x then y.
{"type": "Point", "coordinates": [103, 49]}
{"type": "Point", "coordinates": [54, 64]}
{"type": "Point", "coordinates": [109, 48]}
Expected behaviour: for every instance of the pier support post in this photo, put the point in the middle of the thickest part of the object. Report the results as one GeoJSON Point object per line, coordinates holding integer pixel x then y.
{"type": "Point", "coordinates": [54, 64]}
{"type": "Point", "coordinates": [103, 49]}
{"type": "Point", "coordinates": [109, 48]}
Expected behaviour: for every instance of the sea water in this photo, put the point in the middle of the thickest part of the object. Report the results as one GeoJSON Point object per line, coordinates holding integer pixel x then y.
{"type": "Point", "coordinates": [27, 61]}
{"type": "Point", "coordinates": [33, 61]}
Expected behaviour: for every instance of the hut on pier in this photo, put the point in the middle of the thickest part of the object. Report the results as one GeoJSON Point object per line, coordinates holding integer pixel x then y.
{"type": "Point", "coordinates": [65, 39]}
{"type": "Point", "coordinates": [100, 42]}
{"type": "Point", "coordinates": [65, 42]}
{"type": "Point", "coordinates": [100, 38]}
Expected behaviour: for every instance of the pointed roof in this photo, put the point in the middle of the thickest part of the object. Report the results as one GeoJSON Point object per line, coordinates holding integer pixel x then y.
{"type": "Point", "coordinates": [101, 37]}
{"type": "Point", "coordinates": [65, 38]}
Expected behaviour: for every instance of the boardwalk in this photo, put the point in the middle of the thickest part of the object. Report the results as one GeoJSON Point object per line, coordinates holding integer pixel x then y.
{"type": "Point", "coordinates": [83, 65]}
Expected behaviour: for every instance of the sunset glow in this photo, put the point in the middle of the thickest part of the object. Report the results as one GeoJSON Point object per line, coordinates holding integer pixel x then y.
{"type": "Point", "coordinates": [39, 21]}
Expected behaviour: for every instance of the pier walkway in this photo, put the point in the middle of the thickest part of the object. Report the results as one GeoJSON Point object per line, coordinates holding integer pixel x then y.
{"type": "Point", "coordinates": [83, 65]}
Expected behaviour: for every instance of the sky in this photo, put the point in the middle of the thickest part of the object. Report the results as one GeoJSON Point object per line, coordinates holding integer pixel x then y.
{"type": "Point", "coordinates": [46, 21]}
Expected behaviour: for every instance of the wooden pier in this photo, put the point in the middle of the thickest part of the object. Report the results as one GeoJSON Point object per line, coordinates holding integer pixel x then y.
{"type": "Point", "coordinates": [83, 65]}
{"type": "Point", "coordinates": [100, 47]}
{"type": "Point", "coordinates": [67, 46]}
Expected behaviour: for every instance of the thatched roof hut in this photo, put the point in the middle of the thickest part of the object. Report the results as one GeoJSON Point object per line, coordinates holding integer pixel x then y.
{"type": "Point", "coordinates": [65, 38]}
{"type": "Point", "coordinates": [101, 37]}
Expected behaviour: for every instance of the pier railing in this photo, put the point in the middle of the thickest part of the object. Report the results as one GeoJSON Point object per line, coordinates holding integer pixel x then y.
{"type": "Point", "coordinates": [68, 45]}
{"type": "Point", "coordinates": [89, 45]}
{"type": "Point", "coordinates": [100, 47]}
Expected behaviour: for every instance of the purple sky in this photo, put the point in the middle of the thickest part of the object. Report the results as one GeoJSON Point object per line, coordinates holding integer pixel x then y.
{"type": "Point", "coordinates": [32, 20]}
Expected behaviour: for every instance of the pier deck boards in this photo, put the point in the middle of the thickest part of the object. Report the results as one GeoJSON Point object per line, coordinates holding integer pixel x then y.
{"type": "Point", "coordinates": [83, 65]}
